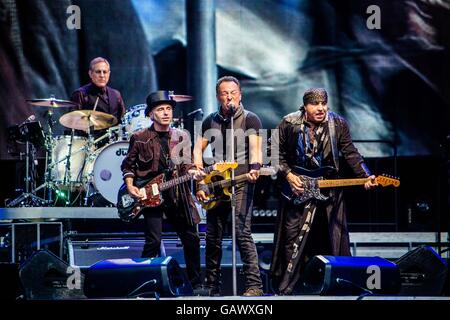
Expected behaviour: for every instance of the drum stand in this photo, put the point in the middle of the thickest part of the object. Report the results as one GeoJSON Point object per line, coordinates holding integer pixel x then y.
{"type": "Point", "coordinates": [87, 179]}
{"type": "Point", "coordinates": [48, 184]}
{"type": "Point", "coordinates": [28, 199]}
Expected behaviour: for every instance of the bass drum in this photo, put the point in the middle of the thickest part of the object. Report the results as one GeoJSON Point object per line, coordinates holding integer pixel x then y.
{"type": "Point", "coordinates": [104, 169]}
{"type": "Point", "coordinates": [135, 119]}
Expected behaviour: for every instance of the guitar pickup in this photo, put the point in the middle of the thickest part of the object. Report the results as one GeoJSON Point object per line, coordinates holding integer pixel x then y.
{"type": "Point", "coordinates": [155, 189]}
{"type": "Point", "coordinates": [143, 193]}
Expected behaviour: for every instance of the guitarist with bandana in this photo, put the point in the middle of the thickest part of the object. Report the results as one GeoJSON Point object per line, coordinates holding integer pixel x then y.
{"type": "Point", "coordinates": [312, 138]}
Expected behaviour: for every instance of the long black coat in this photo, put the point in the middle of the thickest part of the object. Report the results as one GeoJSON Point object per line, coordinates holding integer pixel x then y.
{"type": "Point", "coordinates": [341, 142]}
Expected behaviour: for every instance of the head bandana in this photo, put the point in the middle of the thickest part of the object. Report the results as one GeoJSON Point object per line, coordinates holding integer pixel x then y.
{"type": "Point", "coordinates": [315, 95]}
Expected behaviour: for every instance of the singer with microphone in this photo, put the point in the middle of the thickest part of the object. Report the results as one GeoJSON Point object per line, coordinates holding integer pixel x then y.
{"type": "Point", "coordinates": [249, 157]}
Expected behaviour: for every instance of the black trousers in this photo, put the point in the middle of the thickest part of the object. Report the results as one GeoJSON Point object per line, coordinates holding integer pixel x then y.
{"type": "Point", "coordinates": [188, 235]}
{"type": "Point", "coordinates": [216, 220]}
{"type": "Point", "coordinates": [317, 238]}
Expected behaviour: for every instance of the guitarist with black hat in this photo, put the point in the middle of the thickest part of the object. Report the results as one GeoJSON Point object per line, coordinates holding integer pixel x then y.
{"type": "Point", "coordinates": [156, 150]}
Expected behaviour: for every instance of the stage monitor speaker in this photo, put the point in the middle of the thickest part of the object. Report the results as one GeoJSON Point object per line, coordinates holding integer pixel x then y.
{"type": "Point", "coordinates": [342, 275]}
{"type": "Point", "coordinates": [423, 272]}
{"type": "Point", "coordinates": [46, 277]}
{"type": "Point", "coordinates": [126, 278]}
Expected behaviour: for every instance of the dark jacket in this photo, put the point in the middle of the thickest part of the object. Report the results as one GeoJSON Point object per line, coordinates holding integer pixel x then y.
{"type": "Point", "coordinates": [142, 160]}
{"type": "Point", "coordinates": [341, 142]}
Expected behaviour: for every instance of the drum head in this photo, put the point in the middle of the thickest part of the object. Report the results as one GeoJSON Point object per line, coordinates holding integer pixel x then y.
{"type": "Point", "coordinates": [135, 119]}
{"type": "Point", "coordinates": [107, 175]}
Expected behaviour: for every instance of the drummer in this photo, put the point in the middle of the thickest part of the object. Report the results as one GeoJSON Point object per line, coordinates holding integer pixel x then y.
{"type": "Point", "coordinates": [97, 95]}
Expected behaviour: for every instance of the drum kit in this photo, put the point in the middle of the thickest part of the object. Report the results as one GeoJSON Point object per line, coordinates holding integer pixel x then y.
{"type": "Point", "coordinates": [80, 163]}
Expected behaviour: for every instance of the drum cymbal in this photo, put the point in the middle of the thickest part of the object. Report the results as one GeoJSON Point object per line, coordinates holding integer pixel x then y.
{"type": "Point", "coordinates": [51, 103]}
{"type": "Point", "coordinates": [181, 97]}
{"type": "Point", "coordinates": [83, 119]}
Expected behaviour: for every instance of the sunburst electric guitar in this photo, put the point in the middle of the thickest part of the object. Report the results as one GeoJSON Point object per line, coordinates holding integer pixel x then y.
{"type": "Point", "coordinates": [130, 208]}
{"type": "Point", "coordinates": [313, 182]}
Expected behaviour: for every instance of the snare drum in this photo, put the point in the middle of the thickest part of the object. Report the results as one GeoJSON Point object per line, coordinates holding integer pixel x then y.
{"type": "Point", "coordinates": [103, 170]}
{"type": "Point", "coordinates": [60, 172]}
{"type": "Point", "coordinates": [135, 119]}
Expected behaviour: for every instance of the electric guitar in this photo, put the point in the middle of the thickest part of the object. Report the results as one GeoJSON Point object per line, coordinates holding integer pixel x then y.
{"type": "Point", "coordinates": [217, 187]}
{"type": "Point", "coordinates": [313, 181]}
{"type": "Point", "coordinates": [130, 208]}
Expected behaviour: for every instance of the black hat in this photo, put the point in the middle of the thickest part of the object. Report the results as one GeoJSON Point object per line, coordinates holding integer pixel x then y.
{"type": "Point", "coordinates": [159, 97]}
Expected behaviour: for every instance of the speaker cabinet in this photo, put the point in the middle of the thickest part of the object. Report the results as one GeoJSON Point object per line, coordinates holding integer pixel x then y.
{"type": "Point", "coordinates": [129, 278]}
{"type": "Point", "coordinates": [338, 275]}
{"type": "Point", "coordinates": [46, 277]}
{"type": "Point", "coordinates": [423, 272]}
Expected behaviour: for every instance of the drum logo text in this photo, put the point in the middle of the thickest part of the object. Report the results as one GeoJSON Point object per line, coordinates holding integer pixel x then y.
{"type": "Point", "coordinates": [121, 152]}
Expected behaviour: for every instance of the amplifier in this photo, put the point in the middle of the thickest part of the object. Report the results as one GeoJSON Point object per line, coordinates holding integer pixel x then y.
{"type": "Point", "coordinates": [83, 254]}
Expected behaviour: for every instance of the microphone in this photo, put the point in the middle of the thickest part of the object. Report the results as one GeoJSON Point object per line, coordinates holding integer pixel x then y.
{"type": "Point", "coordinates": [231, 108]}
{"type": "Point", "coordinates": [199, 110]}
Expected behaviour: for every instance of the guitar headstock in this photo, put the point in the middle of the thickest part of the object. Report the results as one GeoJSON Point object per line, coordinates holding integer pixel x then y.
{"type": "Point", "coordinates": [385, 180]}
{"type": "Point", "coordinates": [224, 166]}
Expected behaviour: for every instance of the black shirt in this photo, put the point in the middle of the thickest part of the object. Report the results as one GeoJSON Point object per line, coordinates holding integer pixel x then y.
{"type": "Point", "coordinates": [164, 159]}
{"type": "Point", "coordinates": [252, 121]}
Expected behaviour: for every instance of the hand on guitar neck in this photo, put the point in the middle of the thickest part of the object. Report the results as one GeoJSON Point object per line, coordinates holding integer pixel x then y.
{"type": "Point", "coordinates": [371, 182]}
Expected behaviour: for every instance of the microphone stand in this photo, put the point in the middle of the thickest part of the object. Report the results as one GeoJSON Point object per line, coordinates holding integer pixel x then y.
{"type": "Point", "coordinates": [233, 206]}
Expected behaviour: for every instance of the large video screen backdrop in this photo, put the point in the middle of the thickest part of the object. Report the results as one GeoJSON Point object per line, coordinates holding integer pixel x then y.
{"type": "Point", "coordinates": [391, 83]}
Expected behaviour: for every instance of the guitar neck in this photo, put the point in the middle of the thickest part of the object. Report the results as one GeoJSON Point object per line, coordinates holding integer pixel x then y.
{"type": "Point", "coordinates": [226, 183]}
{"type": "Point", "coordinates": [174, 182]}
{"type": "Point", "coordinates": [341, 182]}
